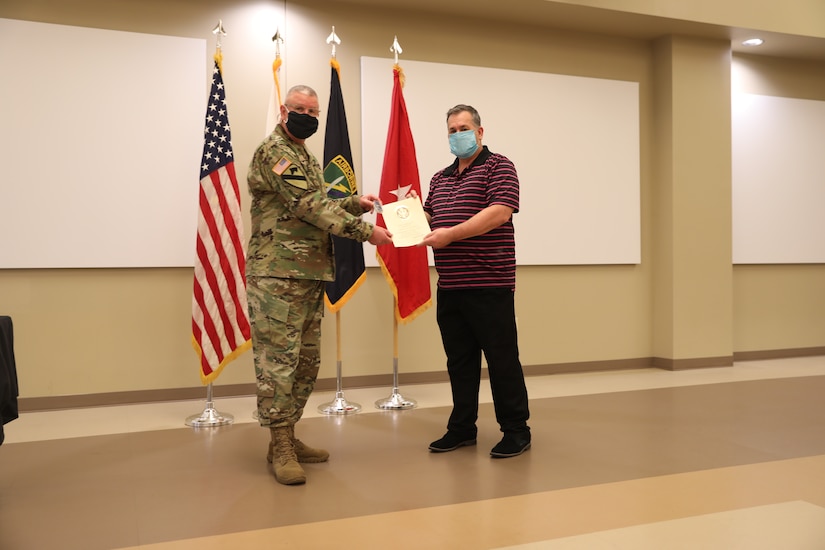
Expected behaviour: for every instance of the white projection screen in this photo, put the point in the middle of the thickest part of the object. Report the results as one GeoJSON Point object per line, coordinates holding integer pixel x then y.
{"type": "Point", "coordinates": [778, 180]}
{"type": "Point", "coordinates": [101, 145]}
{"type": "Point", "coordinates": [574, 141]}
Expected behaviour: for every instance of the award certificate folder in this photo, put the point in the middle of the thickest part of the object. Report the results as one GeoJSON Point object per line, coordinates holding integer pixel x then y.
{"type": "Point", "coordinates": [406, 220]}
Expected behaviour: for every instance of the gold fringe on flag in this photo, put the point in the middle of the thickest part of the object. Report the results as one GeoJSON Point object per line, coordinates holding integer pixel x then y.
{"type": "Point", "coordinates": [394, 288]}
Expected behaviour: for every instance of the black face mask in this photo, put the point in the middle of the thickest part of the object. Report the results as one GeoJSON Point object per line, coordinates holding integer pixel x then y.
{"type": "Point", "coordinates": [301, 125]}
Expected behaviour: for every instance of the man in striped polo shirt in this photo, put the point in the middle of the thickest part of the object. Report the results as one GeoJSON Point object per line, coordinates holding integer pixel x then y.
{"type": "Point", "coordinates": [470, 208]}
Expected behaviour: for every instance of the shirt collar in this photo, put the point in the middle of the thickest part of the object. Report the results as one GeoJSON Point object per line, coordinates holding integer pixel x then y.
{"type": "Point", "coordinates": [480, 159]}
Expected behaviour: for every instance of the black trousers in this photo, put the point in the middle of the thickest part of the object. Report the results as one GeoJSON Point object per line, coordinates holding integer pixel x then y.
{"type": "Point", "coordinates": [473, 322]}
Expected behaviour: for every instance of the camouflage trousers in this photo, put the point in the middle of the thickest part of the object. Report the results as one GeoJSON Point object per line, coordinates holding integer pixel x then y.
{"type": "Point", "coordinates": [286, 342]}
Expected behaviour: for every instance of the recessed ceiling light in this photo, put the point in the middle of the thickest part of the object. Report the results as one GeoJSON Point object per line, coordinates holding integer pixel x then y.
{"type": "Point", "coordinates": [753, 42]}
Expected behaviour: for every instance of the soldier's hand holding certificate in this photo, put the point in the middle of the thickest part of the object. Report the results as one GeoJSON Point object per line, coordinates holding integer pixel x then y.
{"type": "Point", "coordinates": [406, 220]}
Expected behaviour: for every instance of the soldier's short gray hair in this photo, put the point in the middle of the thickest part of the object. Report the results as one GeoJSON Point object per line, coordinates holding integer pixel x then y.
{"type": "Point", "coordinates": [301, 89]}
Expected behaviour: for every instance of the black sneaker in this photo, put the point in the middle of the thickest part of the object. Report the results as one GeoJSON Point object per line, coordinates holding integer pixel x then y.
{"type": "Point", "coordinates": [450, 442]}
{"type": "Point", "coordinates": [511, 445]}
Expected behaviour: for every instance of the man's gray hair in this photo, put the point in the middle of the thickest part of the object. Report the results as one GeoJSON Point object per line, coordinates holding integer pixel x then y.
{"type": "Point", "coordinates": [301, 89]}
{"type": "Point", "coordinates": [468, 109]}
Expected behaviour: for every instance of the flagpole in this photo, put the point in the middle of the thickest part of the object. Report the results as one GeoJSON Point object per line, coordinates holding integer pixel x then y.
{"type": "Point", "coordinates": [395, 401]}
{"type": "Point", "coordinates": [211, 417]}
{"type": "Point", "coordinates": [337, 146]}
{"type": "Point", "coordinates": [339, 405]}
{"type": "Point", "coordinates": [392, 175]}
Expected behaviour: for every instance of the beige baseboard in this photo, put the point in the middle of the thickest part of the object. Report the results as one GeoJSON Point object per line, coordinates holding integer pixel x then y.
{"type": "Point", "coordinates": [31, 404]}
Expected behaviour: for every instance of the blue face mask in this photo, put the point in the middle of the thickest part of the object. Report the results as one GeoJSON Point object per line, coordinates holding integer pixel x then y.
{"type": "Point", "coordinates": [463, 144]}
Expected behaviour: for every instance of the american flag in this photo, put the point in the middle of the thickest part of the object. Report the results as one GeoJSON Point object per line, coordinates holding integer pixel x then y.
{"type": "Point", "coordinates": [220, 321]}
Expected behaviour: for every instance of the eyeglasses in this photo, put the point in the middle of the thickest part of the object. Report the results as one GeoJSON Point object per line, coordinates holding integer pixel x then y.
{"type": "Point", "coordinates": [300, 109]}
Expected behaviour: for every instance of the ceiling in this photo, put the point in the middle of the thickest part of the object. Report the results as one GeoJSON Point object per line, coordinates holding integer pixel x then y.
{"type": "Point", "coordinates": [579, 18]}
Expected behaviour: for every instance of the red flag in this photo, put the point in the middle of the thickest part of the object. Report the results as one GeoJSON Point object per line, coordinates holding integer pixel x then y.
{"type": "Point", "coordinates": [405, 268]}
{"type": "Point", "coordinates": [220, 320]}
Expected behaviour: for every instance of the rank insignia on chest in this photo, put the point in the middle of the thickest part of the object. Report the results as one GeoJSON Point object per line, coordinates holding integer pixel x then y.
{"type": "Point", "coordinates": [281, 166]}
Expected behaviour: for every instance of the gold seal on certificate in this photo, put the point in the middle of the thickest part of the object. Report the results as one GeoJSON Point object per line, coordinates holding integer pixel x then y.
{"type": "Point", "coordinates": [406, 220]}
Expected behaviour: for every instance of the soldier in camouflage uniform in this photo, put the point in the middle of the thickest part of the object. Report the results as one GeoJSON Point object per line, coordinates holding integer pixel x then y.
{"type": "Point", "coordinates": [289, 261]}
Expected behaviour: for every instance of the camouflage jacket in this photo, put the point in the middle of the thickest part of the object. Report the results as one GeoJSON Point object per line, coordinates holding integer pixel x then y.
{"type": "Point", "coordinates": [292, 217]}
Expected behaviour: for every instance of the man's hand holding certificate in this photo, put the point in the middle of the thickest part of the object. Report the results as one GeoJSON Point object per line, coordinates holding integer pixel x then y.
{"type": "Point", "coordinates": [406, 220]}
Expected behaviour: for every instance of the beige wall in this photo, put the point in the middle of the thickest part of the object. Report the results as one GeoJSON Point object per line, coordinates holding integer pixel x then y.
{"type": "Point", "coordinates": [779, 307]}
{"type": "Point", "coordinates": [102, 331]}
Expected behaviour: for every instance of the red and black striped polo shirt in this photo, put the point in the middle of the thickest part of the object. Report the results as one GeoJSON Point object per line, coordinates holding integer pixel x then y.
{"type": "Point", "coordinates": [483, 261]}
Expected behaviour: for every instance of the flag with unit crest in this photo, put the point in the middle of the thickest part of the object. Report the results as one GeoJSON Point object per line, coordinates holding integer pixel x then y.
{"type": "Point", "coordinates": [339, 176]}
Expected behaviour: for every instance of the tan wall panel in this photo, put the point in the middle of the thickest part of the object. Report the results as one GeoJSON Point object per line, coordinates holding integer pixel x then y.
{"type": "Point", "coordinates": [779, 307]}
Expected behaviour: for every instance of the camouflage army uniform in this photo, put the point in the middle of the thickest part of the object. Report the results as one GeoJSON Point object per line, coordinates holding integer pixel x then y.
{"type": "Point", "coordinates": [289, 261]}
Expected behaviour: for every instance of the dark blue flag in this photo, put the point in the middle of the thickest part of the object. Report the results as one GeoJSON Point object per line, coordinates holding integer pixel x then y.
{"type": "Point", "coordinates": [339, 176]}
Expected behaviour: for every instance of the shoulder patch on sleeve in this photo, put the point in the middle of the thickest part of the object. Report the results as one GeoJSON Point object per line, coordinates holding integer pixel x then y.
{"type": "Point", "coordinates": [281, 166]}
{"type": "Point", "coordinates": [295, 177]}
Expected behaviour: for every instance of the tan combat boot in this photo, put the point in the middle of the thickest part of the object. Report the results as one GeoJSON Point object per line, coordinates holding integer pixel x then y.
{"type": "Point", "coordinates": [284, 461]}
{"type": "Point", "coordinates": [303, 452]}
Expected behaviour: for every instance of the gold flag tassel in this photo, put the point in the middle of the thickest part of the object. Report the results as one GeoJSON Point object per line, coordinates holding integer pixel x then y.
{"type": "Point", "coordinates": [219, 59]}
{"type": "Point", "coordinates": [276, 66]}
{"type": "Point", "coordinates": [401, 76]}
